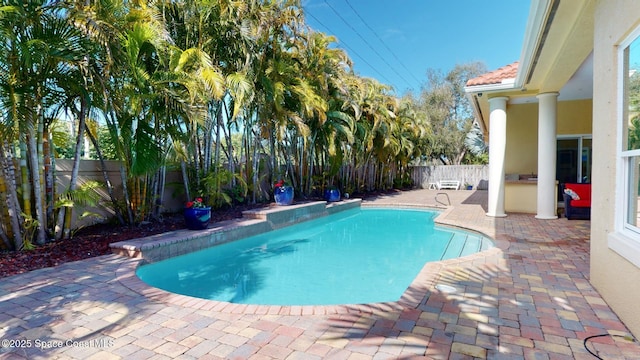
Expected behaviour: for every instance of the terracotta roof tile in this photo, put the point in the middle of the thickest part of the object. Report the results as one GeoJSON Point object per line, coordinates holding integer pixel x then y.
{"type": "Point", "coordinates": [496, 76]}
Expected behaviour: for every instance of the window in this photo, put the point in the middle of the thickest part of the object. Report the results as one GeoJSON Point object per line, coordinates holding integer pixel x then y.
{"type": "Point", "coordinates": [626, 239]}
{"type": "Point", "coordinates": [573, 160]}
{"type": "Point", "coordinates": [631, 133]}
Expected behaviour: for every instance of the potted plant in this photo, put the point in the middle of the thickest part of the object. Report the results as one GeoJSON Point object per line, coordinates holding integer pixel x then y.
{"type": "Point", "coordinates": [331, 193]}
{"type": "Point", "coordinates": [468, 186]}
{"type": "Point", "coordinates": [196, 214]}
{"type": "Point", "coordinates": [283, 193]}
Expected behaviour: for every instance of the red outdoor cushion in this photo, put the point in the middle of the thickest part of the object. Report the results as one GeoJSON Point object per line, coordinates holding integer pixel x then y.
{"type": "Point", "coordinates": [581, 203]}
{"type": "Point", "coordinates": [583, 190]}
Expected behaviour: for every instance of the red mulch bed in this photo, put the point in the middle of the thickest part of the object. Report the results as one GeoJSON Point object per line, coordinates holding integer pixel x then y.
{"type": "Point", "coordinates": [94, 241]}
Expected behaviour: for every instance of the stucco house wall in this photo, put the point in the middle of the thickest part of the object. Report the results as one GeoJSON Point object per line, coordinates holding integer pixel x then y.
{"type": "Point", "coordinates": [566, 42]}
{"type": "Point", "coordinates": [522, 139]}
{"type": "Point", "coordinates": [615, 278]}
{"type": "Point", "coordinates": [574, 118]}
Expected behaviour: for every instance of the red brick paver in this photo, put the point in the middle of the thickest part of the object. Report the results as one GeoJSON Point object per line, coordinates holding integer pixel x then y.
{"type": "Point", "coordinates": [528, 298]}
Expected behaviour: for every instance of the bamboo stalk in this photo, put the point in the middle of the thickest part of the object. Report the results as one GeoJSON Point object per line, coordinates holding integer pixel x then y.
{"type": "Point", "coordinates": [13, 204]}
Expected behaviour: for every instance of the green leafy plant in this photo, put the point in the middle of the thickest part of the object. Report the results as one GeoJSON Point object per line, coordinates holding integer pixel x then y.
{"type": "Point", "coordinates": [216, 185]}
{"type": "Point", "coordinates": [86, 195]}
{"type": "Point", "coordinates": [30, 227]}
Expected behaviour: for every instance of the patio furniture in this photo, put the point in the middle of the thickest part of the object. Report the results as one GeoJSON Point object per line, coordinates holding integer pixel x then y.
{"type": "Point", "coordinates": [577, 201]}
{"type": "Point", "coordinates": [448, 184]}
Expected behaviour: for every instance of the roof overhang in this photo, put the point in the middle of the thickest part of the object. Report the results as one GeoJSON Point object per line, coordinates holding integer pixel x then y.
{"type": "Point", "coordinates": [557, 45]}
{"type": "Point", "coordinates": [541, 14]}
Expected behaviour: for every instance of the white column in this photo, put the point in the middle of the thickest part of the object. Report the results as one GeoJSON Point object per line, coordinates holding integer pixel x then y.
{"type": "Point", "coordinates": [547, 114]}
{"type": "Point", "coordinates": [497, 151]}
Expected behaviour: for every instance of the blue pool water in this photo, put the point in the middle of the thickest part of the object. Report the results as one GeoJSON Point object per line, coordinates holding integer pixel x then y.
{"type": "Point", "coordinates": [355, 256]}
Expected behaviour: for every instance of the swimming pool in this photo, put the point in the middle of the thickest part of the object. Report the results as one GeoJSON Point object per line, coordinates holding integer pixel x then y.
{"type": "Point", "coordinates": [355, 256]}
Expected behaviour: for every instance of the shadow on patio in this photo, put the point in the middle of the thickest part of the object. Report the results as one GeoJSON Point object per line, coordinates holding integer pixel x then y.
{"type": "Point", "coordinates": [64, 307]}
{"type": "Point", "coordinates": [530, 297]}
{"type": "Point", "coordinates": [534, 301]}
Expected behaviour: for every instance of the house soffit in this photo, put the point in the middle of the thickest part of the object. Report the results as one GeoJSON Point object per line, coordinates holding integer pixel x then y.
{"type": "Point", "coordinates": [578, 87]}
{"type": "Point", "coordinates": [565, 48]}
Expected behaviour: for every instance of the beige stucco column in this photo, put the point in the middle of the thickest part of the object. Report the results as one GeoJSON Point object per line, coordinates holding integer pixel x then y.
{"type": "Point", "coordinates": [497, 151]}
{"type": "Point", "coordinates": [547, 146]}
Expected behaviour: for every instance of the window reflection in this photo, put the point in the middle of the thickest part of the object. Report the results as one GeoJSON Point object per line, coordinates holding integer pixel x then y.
{"type": "Point", "coordinates": [631, 148]}
{"type": "Point", "coordinates": [633, 192]}
{"type": "Point", "coordinates": [587, 155]}
{"type": "Point", "coordinates": [632, 98]}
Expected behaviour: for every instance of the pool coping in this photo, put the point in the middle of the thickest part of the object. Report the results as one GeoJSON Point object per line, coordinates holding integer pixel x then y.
{"type": "Point", "coordinates": [414, 296]}
{"type": "Point", "coordinates": [180, 242]}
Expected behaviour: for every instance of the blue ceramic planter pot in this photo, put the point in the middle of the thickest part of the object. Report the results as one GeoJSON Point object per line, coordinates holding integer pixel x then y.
{"type": "Point", "coordinates": [332, 195]}
{"type": "Point", "coordinates": [283, 195]}
{"type": "Point", "coordinates": [197, 218]}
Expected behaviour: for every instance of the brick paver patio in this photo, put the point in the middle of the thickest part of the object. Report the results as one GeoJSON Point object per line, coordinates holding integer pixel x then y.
{"type": "Point", "coordinates": [529, 298]}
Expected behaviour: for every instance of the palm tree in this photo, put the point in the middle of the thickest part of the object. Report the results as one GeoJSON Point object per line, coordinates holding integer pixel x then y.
{"type": "Point", "coordinates": [278, 87]}
{"type": "Point", "coordinates": [41, 50]}
{"type": "Point", "coordinates": [147, 102]}
{"type": "Point", "coordinates": [184, 81]}
{"type": "Point", "coordinates": [332, 129]}
{"type": "Point", "coordinates": [215, 61]}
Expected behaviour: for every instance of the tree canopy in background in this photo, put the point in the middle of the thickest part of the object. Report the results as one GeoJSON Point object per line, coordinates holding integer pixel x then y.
{"type": "Point", "coordinates": [233, 94]}
{"type": "Point", "coordinates": [444, 103]}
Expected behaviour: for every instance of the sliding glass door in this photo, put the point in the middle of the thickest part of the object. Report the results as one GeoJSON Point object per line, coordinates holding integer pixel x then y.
{"type": "Point", "coordinates": [573, 162]}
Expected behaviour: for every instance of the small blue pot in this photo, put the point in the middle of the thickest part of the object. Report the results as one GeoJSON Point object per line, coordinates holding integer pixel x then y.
{"type": "Point", "coordinates": [197, 218]}
{"type": "Point", "coordinates": [283, 195]}
{"type": "Point", "coordinates": [332, 195]}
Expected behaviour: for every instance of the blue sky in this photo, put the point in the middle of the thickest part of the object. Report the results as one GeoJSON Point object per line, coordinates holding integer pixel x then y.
{"type": "Point", "coordinates": [404, 38]}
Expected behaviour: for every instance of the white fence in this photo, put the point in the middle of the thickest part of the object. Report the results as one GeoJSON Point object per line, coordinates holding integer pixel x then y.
{"type": "Point", "coordinates": [474, 175]}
